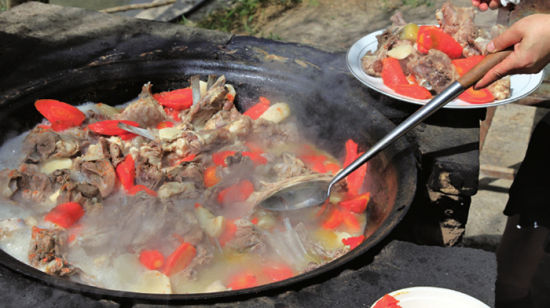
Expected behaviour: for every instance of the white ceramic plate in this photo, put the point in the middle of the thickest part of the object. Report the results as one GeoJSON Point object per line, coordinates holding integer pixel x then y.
{"type": "Point", "coordinates": [431, 297]}
{"type": "Point", "coordinates": [521, 85]}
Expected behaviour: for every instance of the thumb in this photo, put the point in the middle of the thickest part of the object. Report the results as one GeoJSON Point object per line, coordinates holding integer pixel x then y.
{"type": "Point", "coordinates": [508, 38]}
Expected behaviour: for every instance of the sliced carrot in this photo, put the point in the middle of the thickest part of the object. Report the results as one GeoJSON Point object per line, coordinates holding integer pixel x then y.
{"type": "Point", "coordinates": [357, 204]}
{"type": "Point", "coordinates": [137, 188]}
{"type": "Point", "coordinates": [258, 109]}
{"type": "Point", "coordinates": [179, 99]}
{"type": "Point", "coordinates": [230, 97]}
{"type": "Point", "coordinates": [110, 127]}
{"type": "Point", "coordinates": [412, 79]}
{"type": "Point", "coordinates": [173, 113]}
{"type": "Point", "coordinates": [387, 301]}
{"type": "Point", "coordinates": [356, 178]}
{"type": "Point", "coordinates": [412, 90]}
{"type": "Point", "coordinates": [219, 157]}
{"type": "Point", "coordinates": [126, 172]}
{"type": "Point", "coordinates": [432, 37]}
{"type": "Point", "coordinates": [151, 259]}
{"type": "Point", "coordinates": [236, 193]}
{"type": "Point", "coordinates": [187, 158]}
{"type": "Point", "coordinates": [44, 126]}
{"type": "Point", "coordinates": [65, 214]}
{"type": "Point", "coordinates": [256, 157]}
{"type": "Point", "coordinates": [351, 221]}
{"type": "Point", "coordinates": [228, 232]}
{"type": "Point", "coordinates": [242, 280]}
{"type": "Point", "coordinates": [353, 241]}
{"type": "Point", "coordinates": [127, 136]}
{"type": "Point", "coordinates": [165, 124]}
{"type": "Point", "coordinates": [277, 272]}
{"type": "Point", "coordinates": [392, 73]}
{"type": "Point", "coordinates": [332, 167]}
{"type": "Point", "coordinates": [466, 64]}
{"type": "Point", "coordinates": [254, 147]}
{"type": "Point", "coordinates": [179, 259]}
{"type": "Point", "coordinates": [315, 162]}
{"type": "Point", "coordinates": [61, 115]}
{"type": "Point", "coordinates": [334, 219]}
{"type": "Point", "coordinates": [481, 96]}
{"type": "Point", "coordinates": [210, 178]}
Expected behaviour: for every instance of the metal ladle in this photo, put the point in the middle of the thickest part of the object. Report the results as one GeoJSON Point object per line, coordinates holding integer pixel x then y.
{"type": "Point", "coordinates": [312, 193]}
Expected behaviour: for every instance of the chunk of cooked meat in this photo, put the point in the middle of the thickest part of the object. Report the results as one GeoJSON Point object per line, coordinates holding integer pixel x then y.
{"type": "Point", "coordinates": [84, 194]}
{"type": "Point", "coordinates": [246, 238]}
{"type": "Point", "coordinates": [39, 145]}
{"type": "Point", "coordinates": [146, 110]}
{"type": "Point", "coordinates": [289, 166]}
{"type": "Point", "coordinates": [8, 182]}
{"type": "Point", "coordinates": [186, 172]}
{"type": "Point", "coordinates": [33, 184]}
{"type": "Point", "coordinates": [101, 174]}
{"type": "Point", "coordinates": [433, 71]}
{"type": "Point", "coordinates": [179, 190]}
{"type": "Point", "coordinates": [459, 23]}
{"type": "Point", "coordinates": [213, 101]}
{"type": "Point", "coordinates": [45, 252]}
{"type": "Point", "coordinates": [148, 166]}
{"type": "Point", "coordinates": [372, 61]}
{"type": "Point", "coordinates": [135, 222]}
{"type": "Point", "coordinates": [500, 88]}
{"type": "Point", "coordinates": [43, 144]}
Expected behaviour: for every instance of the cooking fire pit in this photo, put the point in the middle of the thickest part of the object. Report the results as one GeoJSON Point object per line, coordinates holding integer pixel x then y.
{"type": "Point", "coordinates": [77, 55]}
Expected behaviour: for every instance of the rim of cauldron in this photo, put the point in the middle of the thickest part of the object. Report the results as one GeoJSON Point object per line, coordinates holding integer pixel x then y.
{"type": "Point", "coordinates": [405, 166]}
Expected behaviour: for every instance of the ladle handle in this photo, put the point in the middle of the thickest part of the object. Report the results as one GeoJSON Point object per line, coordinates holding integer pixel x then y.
{"type": "Point", "coordinates": [425, 111]}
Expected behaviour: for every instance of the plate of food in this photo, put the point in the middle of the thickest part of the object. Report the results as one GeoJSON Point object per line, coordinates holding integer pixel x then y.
{"type": "Point", "coordinates": [427, 297]}
{"type": "Point", "coordinates": [413, 63]}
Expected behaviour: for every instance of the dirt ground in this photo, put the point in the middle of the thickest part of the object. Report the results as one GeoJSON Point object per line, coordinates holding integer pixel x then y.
{"type": "Point", "coordinates": [335, 25]}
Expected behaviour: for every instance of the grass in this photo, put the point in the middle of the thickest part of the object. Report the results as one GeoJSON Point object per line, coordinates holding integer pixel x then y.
{"type": "Point", "coordinates": [391, 5]}
{"type": "Point", "coordinates": [415, 3]}
{"type": "Point", "coordinates": [3, 5]}
{"type": "Point", "coordinates": [241, 16]}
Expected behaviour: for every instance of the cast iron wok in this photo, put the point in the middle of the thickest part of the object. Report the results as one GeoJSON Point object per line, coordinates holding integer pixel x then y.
{"type": "Point", "coordinates": [316, 103]}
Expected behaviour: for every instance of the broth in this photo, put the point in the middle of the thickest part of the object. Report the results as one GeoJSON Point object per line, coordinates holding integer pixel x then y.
{"type": "Point", "coordinates": [175, 213]}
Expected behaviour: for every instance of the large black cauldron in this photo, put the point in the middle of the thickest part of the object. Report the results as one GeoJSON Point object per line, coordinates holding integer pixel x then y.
{"type": "Point", "coordinates": [111, 64]}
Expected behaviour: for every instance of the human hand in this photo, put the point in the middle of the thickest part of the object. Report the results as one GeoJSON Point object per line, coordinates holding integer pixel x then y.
{"type": "Point", "coordinates": [531, 41]}
{"type": "Point", "coordinates": [484, 5]}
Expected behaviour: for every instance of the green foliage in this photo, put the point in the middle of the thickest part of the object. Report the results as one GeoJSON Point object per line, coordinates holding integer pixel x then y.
{"type": "Point", "coordinates": [389, 5]}
{"type": "Point", "coordinates": [273, 36]}
{"type": "Point", "coordinates": [415, 3]}
{"type": "Point", "coordinates": [240, 16]}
